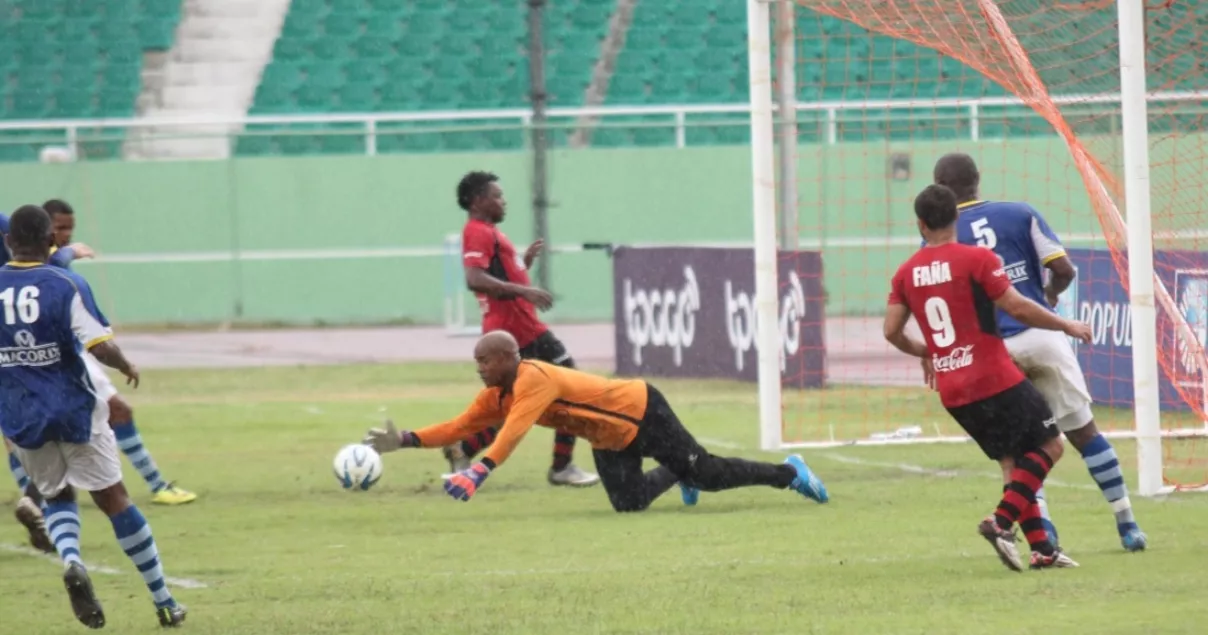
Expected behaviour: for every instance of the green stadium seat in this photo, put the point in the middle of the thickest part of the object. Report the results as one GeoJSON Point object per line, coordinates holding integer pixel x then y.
{"type": "Point", "coordinates": [156, 34]}
{"type": "Point", "coordinates": [387, 26]}
{"type": "Point", "coordinates": [124, 52]}
{"type": "Point", "coordinates": [374, 48]}
{"type": "Point", "coordinates": [342, 25]}
{"type": "Point", "coordinates": [72, 103]}
{"type": "Point", "coordinates": [358, 97]}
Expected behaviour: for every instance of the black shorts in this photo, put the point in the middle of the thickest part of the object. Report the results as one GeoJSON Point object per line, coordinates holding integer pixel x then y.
{"type": "Point", "coordinates": [1009, 424]}
{"type": "Point", "coordinates": [549, 349]}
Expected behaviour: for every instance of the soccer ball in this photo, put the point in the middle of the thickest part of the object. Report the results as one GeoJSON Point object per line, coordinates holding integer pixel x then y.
{"type": "Point", "coordinates": [357, 467]}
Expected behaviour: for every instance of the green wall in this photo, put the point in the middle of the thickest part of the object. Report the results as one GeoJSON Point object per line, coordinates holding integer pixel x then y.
{"type": "Point", "coordinates": [265, 208]}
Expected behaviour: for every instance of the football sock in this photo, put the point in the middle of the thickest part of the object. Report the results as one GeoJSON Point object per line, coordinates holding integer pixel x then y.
{"type": "Point", "coordinates": [19, 475]}
{"type": "Point", "coordinates": [1020, 493]}
{"type": "Point", "coordinates": [131, 443]}
{"type": "Point", "coordinates": [564, 449]}
{"type": "Point", "coordinates": [1043, 505]}
{"type": "Point", "coordinates": [63, 525]}
{"type": "Point", "coordinates": [1104, 466]}
{"type": "Point", "coordinates": [479, 442]}
{"type": "Point", "coordinates": [1032, 524]}
{"type": "Point", "coordinates": [134, 536]}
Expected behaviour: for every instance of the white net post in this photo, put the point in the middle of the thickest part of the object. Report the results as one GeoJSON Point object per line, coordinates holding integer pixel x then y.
{"type": "Point", "coordinates": [763, 187]}
{"type": "Point", "coordinates": [1135, 129]}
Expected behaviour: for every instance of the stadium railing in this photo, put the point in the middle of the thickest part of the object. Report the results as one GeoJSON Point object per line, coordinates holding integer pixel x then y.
{"type": "Point", "coordinates": [70, 133]}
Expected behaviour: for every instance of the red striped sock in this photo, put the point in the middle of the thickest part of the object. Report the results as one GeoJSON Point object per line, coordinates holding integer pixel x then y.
{"type": "Point", "coordinates": [1026, 478]}
{"type": "Point", "coordinates": [564, 449]}
{"type": "Point", "coordinates": [1032, 524]}
{"type": "Point", "coordinates": [479, 442]}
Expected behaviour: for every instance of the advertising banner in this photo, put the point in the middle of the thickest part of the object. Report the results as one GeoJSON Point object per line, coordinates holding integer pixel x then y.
{"type": "Point", "coordinates": [1098, 298]}
{"type": "Point", "coordinates": [690, 312]}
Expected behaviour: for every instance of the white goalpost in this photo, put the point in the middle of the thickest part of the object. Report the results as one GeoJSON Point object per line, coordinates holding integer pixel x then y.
{"type": "Point", "coordinates": [1146, 294]}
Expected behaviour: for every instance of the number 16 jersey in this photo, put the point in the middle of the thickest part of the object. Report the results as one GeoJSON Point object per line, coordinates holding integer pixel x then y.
{"type": "Point", "coordinates": [950, 290]}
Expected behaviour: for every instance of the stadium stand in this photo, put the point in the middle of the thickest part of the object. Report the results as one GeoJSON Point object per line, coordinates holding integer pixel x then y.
{"type": "Point", "coordinates": [392, 55]}
{"type": "Point", "coordinates": [72, 59]}
{"type": "Point", "coordinates": [82, 59]}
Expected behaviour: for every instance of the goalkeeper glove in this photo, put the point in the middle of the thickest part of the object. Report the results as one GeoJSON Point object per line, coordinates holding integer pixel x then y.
{"type": "Point", "coordinates": [462, 485]}
{"type": "Point", "coordinates": [390, 439]}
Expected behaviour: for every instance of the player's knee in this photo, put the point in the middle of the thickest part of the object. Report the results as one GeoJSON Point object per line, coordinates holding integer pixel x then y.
{"type": "Point", "coordinates": [119, 410]}
{"type": "Point", "coordinates": [1080, 436]}
{"type": "Point", "coordinates": [624, 503]}
{"type": "Point", "coordinates": [1054, 448]}
{"type": "Point", "coordinates": [112, 500]}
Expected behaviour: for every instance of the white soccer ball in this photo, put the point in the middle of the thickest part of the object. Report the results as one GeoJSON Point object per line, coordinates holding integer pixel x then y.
{"type": "Point", "coordinates": [357, 467]}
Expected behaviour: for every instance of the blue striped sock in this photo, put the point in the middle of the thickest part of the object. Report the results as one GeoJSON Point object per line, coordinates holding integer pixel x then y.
{"type": "Point", "coordinates": [1045, 519]}
{"type": "Point", "coordinates": [19, 475]}
{"type": "Point", "coordinates": [131, 443]}
{"type": "Point", "coordinates": [1104, 466]}
{"type": "Point", "coordinates": [63, 525]}
{"type": "Point", "coordinates": [134, 535]}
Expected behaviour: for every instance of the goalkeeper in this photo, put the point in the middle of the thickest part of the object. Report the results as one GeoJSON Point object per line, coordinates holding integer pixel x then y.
{"type": "Point", "coordinates": [626, 420]}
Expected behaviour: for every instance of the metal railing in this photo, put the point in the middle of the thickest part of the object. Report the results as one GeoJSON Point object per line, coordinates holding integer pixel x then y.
{"type": "Point", "coordinates": [830, 116]}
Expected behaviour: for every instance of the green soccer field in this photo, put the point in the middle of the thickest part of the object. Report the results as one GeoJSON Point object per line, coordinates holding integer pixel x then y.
{"type": "Point", "coordinates": [282, 550]}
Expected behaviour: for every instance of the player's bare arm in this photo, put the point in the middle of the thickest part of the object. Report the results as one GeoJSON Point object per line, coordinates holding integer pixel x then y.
{"type": "Point", "coordinates": [1062, 273]}
{"type": "Point", "coordinates": [479, 281]}
{"type": "Point", "coordinates": [110, 354]}
{"type": "Point", "coordinates": [896, 316]}
{"type": "Point", "coordinates": [1036, 316]}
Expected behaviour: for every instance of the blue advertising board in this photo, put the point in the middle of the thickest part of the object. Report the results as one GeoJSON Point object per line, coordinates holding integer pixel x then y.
{"type": "Point", "coordinates": [1098, 298]}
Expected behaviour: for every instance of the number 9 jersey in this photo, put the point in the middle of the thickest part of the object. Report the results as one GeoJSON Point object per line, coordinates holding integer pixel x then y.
{"type": "Point", "coordinates": [950, 290]}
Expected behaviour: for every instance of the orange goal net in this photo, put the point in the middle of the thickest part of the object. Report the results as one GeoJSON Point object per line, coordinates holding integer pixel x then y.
{"type": "Point", "coordinates": [1031, 90]}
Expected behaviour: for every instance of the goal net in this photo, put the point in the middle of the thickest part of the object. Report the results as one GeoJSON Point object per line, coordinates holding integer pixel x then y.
{"type": "Point", "coordinates": [1030, 89]}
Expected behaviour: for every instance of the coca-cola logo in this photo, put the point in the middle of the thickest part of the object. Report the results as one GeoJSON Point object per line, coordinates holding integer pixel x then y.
{"type": "Point", "coordinates": [742, 323]}
{"type": "Point", "coordinates": [956, 359]}
{"type": "Point", "coordinates": [661, 317]}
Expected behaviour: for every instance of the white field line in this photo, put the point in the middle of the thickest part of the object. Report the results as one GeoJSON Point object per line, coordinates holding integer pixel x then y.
{"type": "Point", "coordinates": [904, 467]}
{"type": "Point", "coordinates": [183, 583]}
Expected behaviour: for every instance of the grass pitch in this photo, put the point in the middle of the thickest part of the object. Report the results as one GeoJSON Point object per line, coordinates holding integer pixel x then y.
{"type": "Point", "coordinates": [282, 550]}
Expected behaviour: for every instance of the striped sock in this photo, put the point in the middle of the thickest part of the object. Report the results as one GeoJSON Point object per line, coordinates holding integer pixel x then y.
{"type": "Point", "coordinates": [63, 525]}
{"type": "Point", "coordinates": [1020, 493]}
{"type": "Point", "coordinates": [131, 443]}
{"type": "Point", "coordinates": [1047, 520]}
{"type": "Point", "coordinates": [134, 535]}
{"type": "Point", "coordinates": [478, 442]}
{"type": "Point", "coordinates": [19, 475]}
{"type": "Point", "coordinates": [1104, 467]}
{"type": "Point", "coordinates": [564, 449]}
{"type": "Point", "coordinates": [1032, 525]}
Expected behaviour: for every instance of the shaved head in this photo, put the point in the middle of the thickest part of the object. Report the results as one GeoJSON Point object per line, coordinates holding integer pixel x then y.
{"type": "Point", "coordinates": [958, 172]}
{"type": "Point", "coordinates": [498, 357]}
{"type": "Point", "coordinates": [496, 342]}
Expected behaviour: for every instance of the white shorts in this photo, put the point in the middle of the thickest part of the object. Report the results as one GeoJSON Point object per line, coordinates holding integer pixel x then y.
{"type": "Point", "coordinates": [105, 390]}
{"type": "Point", "coordinates": [90, 466]}
{"type": "Point", "coordinates": [1048, 360]}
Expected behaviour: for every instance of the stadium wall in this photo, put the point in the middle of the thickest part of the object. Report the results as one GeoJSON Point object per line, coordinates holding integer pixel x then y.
{"type": "Point", "coordinates": [305, 228]}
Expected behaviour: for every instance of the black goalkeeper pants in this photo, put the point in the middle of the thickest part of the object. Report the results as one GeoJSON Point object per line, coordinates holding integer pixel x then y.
{"type": "Point", "coordinates": [681, 459]}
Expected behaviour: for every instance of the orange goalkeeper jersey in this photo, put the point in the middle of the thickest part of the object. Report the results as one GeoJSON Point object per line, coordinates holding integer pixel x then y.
{"type": "Point", "coordinates": [604, 411]}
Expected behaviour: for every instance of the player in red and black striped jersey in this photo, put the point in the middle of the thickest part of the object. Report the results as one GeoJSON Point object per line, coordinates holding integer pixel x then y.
{"type": "Point", "coordinates": [952, 290]}
{"type": "Point", "coordinates": [498, 276]}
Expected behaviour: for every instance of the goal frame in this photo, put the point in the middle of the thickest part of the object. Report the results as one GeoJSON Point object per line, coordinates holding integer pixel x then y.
{"type": "Point", "coordinates": [767, 190]}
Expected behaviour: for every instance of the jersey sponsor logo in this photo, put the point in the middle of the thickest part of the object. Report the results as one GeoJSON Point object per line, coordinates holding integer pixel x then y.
{"type": "Point", "coordinates": [1017, 272]}
{"type": "Point", "coordinates": [662, 317]}
{"type": "Point", "coordinates": [28, 352]}
{"type": "Point", "coordinates": [937, 272]}
{"type": "Point", "coordinates": [742, 327]}
{"type": "Point", "coordinates": [956, 359]}
{"type": "Point", "coordinates": [473, 254]}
